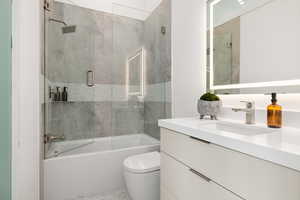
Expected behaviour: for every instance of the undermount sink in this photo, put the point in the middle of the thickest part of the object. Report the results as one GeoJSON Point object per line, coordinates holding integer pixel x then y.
{"type": "Point", "coordinates": [241, 129]}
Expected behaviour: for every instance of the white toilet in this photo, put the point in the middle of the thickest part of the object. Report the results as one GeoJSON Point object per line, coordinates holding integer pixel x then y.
{"type": "Point", "coordinates": [142, 176]}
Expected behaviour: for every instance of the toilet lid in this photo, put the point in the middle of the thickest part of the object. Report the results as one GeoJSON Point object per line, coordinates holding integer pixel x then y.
{"type": "Point", "coordinates": [143, 163]}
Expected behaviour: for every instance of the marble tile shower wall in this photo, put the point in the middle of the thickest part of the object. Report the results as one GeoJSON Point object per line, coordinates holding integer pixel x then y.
{"type": "Point", "coordinates": [102, 43]}
{"type": "Point", "coordinates": [158, 72]}
{"type": "Point", "coordinates": [81, 120]}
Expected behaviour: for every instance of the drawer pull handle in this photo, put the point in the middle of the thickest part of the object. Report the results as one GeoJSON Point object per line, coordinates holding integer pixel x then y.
{"type": "Point", "coordinates": [200, 175]}
{"type": "Point", "coordinates": [203, 141]}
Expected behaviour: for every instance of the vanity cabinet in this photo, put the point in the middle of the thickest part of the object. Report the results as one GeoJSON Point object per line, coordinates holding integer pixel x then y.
{"type": "Point", "coordinates": [195, 169]}
{"type": "Point", "coordinates": [180, 182]}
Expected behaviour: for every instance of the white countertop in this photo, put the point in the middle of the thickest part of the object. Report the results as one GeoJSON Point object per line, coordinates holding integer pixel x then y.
{"type": "Point", "coordinates": [281, 147]}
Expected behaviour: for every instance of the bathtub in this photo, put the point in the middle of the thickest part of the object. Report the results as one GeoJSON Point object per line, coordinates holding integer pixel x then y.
{"type": "Point", "coordinates": [74, 169]}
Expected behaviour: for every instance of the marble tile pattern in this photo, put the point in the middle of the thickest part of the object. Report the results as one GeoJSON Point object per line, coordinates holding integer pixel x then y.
{"type": "Point", "coordinates": [127, 118]}
{"type": "Point", "coordinates": [128, 38]}
{"type": "Point", "coordinates": [116, 195]}
{"type": "Point", "coordinates": [102, 43]}
{"type": "Point", "coordinates": [80, 120]}
{"type": "Point", "coordinates": [153, 112]}
{"type": "Point", "coordinates": [158, 70]}
{"type": "Point", "coordinates": [83, 120]}
{"type": "Point", "coordinates": [227, 60]}
{"type": "Point", "coordinates": [158, 45]}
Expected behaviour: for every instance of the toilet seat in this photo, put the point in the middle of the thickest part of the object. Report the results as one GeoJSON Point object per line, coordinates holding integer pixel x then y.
{"type": "Point", "coordinates": [143, 163]}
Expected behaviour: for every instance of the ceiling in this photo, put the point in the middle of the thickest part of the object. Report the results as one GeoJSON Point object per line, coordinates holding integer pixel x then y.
{"type": "Point", "coordinates": [137, 9]}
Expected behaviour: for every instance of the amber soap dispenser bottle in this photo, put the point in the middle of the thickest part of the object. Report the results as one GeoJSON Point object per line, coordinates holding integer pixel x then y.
{"type": "Point", "coordinates": [274, 113]}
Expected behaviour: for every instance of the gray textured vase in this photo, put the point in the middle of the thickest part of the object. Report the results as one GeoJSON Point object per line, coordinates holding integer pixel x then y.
{"type": "Point", "coordinates": [209, 108]}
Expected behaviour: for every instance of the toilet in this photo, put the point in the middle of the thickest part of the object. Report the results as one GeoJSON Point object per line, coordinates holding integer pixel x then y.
{"type": "Point", "coordinates": [142, 176]}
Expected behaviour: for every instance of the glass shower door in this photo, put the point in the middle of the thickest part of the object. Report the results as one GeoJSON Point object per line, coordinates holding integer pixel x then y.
{"type": "Point", "coordinates": [127, 76]}
{"type": "Point", "coordinates": [141, 71]}
{"type": "Point", "coordinates": [115, 66]}
{"type": "Point", "coordinates": [74, 60]}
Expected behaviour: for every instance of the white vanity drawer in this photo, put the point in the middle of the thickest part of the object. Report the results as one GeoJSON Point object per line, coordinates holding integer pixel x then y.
{"type": "Point", "coordinates": [249, 177]}
{"type": "Point", "coordinates": [183, 183]}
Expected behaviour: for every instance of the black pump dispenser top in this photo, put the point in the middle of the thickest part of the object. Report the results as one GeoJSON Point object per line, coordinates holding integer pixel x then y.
{"type": "Point", "coordinates": [65, 94]}
{"type": "Point", "coordinates": [274, 99]}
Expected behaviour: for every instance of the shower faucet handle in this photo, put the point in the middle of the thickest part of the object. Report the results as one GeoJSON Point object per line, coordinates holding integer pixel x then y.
{"type": "Point", "coordinates": [52, 138]}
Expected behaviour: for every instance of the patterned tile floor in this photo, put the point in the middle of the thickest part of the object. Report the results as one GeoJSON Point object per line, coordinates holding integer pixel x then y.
{"type": "Point", "coordinates": [117, 195]}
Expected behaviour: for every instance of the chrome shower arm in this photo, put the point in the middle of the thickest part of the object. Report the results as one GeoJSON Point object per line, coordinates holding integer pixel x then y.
{"type": "Point", "coordinates": [58, 21]}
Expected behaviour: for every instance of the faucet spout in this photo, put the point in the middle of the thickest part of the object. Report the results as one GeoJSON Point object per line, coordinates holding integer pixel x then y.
{"type": "Point", "coordinates": [249, 110]}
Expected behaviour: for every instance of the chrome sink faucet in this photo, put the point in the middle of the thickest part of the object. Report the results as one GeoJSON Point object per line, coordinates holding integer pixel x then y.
{"type": "Point", "coordinates": [249, 110]}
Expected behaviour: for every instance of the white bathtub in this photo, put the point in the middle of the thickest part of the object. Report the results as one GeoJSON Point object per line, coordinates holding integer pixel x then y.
{"type": "Point", "coordinates": [90, 167]}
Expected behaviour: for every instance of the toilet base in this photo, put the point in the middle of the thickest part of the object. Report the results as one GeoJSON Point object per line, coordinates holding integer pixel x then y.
{"type": "Point", "coordinates": [145, 186]}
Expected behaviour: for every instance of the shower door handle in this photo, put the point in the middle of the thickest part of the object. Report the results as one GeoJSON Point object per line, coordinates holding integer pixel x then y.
{"type": "Point", "coordinates": [90, 80]}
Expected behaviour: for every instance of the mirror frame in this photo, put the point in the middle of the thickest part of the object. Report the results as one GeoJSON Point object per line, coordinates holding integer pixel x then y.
{"type": "Point", "coordinates": [141, 92]}
{"type": "Point", "coordinates": [268, 84]}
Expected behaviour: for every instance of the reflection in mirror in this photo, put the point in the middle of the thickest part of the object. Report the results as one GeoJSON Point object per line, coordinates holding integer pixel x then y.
{"type": "Point", "coordinates": [251, 47]}
{"type": "Point", "coordinates": [135, 74]}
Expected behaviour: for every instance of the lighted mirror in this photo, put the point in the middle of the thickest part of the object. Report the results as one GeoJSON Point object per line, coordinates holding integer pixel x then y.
{"type": "Point", "coordinates": [253, 46]}
{"type": "Point", "coordinates": [135, 74]}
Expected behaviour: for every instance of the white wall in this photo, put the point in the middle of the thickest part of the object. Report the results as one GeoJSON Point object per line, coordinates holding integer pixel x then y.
{"type": "Point", "coordinates": [270, 42]}
{"type": "Point", "coordinates": [188, 55]}
{"type": "Point", "coordinates": [25, 103]}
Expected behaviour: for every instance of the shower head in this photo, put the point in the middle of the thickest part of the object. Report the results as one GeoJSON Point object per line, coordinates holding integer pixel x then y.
{"type": "Point", "coordinates": [69, 29]}
{"type": "Point", "coordinates": [66, 28]}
